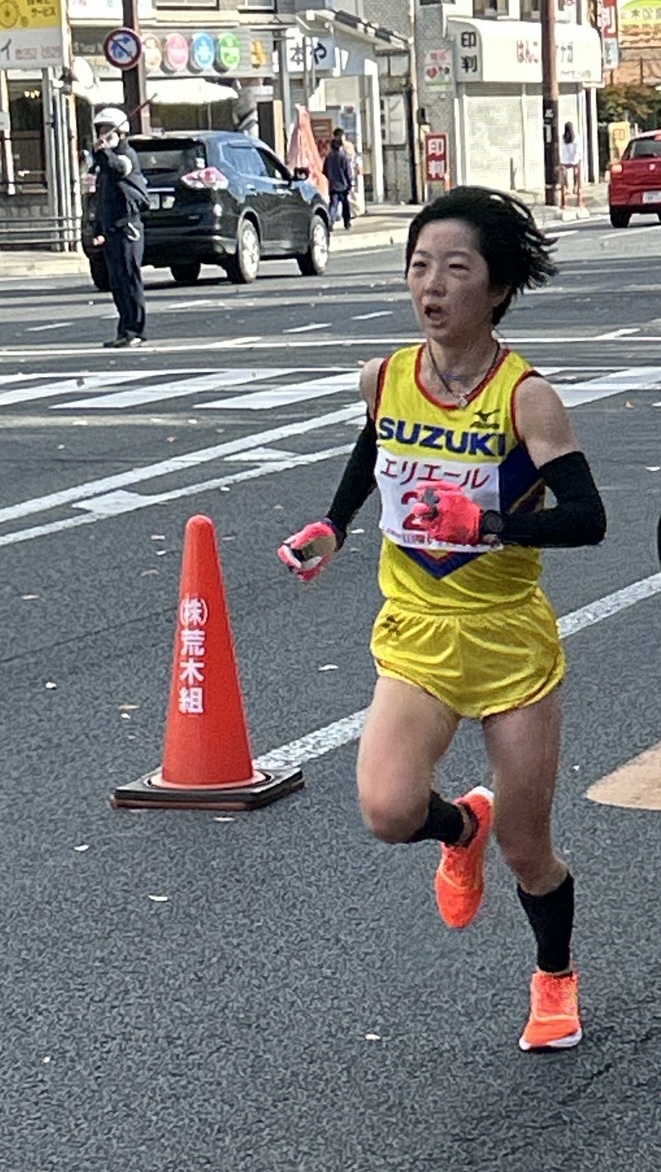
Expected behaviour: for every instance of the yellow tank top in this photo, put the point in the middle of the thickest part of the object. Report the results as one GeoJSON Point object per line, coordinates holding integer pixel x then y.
{"type": "Point", "coordinates": [475, 447]}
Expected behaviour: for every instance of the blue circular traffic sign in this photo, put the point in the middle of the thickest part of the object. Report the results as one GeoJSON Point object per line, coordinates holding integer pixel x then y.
{"type": "Point", "coordinates": [123, 48]}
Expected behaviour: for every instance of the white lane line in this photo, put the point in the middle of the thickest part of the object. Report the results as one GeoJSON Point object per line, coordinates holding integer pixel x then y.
{"type": "Point", "coordinates": [176, 389]}
{"type": "Point", "coordinates": [23, 378]}
{"type": "Point", "coordinates": [229, 344]}
{"type": "Point", "coordinates": [632, 379]}
{"type": "Point", "coordinates": [89, 382]}
{"type": "Point", "coordinates": [177, 305]}
{"type": "Point", "coordinates": [258, 455]}
{"type": "Point", "coordinates": [629, 232]}
{"type": "Point", "coordinates": [367, 316]}
{"type": "Point", "coordinates": [282, 396]}
{"type": "Point", "coordinates": [180, 463]}
{"type": "Point", "coordinates": [617, 334]}
{"type": "Point", "coordinates": [319, 325]}
{"type": "Point", "coordinates": [55, 325]}
{"type": "Point", "coordinates": [115, 503]}
{"type": "Point", "coordinates": [341, 732]}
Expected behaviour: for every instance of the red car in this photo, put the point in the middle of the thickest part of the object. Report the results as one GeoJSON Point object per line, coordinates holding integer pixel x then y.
{"type": "Point", "coordinates": [635, 182]}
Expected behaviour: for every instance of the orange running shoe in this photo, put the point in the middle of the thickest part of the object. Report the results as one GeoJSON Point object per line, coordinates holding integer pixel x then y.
{"type": "Point", "coordinates": [554, 1023]}
{"type": "Point", "coordinates": [459, 880]}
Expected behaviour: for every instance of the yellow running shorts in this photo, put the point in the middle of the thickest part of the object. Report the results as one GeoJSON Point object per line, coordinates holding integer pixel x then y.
{"type": "Point", "coordinates": [477, 663]}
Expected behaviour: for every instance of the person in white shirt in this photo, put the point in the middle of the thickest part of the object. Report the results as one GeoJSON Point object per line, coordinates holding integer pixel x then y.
{"type": "Point", "coordinates": [570, 163]}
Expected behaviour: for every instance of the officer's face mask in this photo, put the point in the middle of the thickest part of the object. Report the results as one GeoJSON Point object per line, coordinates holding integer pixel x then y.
{"type": "Point", "coordinates": [109, 135]}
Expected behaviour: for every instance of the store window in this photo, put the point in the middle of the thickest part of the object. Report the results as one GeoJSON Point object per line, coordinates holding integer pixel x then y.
{"type": "Point", "coordinates": [27, 134]}
{"type": "Point", "coordinates": [493, 8]}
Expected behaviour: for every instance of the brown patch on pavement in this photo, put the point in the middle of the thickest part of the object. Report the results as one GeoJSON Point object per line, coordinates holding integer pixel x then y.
{"type": "Point", "coordinates": [635, 785]}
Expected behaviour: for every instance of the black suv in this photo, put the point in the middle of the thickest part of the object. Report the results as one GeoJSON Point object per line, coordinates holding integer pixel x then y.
{"type": "Point", "coordinates": [223, 199]}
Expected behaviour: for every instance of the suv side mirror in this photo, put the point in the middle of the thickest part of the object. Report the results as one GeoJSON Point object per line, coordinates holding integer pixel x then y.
{"type": "Point", "coordinates": [301, 173]}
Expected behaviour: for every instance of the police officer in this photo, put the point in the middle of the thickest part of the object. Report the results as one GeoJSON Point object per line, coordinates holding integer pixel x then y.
{"type": "Point", "coordinates": [120, 196]}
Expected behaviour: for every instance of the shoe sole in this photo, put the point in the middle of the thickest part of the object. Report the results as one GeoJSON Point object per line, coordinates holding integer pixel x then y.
{"type": "Point", "coordinates": [565, 1043]}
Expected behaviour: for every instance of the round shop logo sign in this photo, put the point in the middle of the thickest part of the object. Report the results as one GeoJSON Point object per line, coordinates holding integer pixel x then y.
{"type": "Point", "coordinates": [202, 52]}
{"type": "Point", "coordinates": [153, 55]}
{"type": "Point", "coordinates": [229, 52]}
{"type": "Point", "coordinates": [175, 56]}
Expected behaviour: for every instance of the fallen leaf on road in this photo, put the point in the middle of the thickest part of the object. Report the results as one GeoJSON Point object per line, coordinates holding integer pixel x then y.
{"type": "Point", "coordinates": [27, 596]}
{"type": "Point", "coordinates": [125, 715]}
{"type": "Point", "coordinates": [372, 1037]}
{"type": "Point", "coordinates": [278, 508]}
{"type": "Point", "coordinates": [46, 1060]}
{"type": "Point", "coordinates": [224, 488]}
{"type": "Point", "coordinates": [328, 667]}
{"type": "Point", "coordinates": [80, 382]}
{"type": "Point", "coordinates": [160, 553]}
{"type": "Point", "coordinates": [158, 898]}
{"type": "Point", "coordinates": [170, 439]}
{"type": "Point", "coordinates": [653, 467]}
{"type": "Point", "coordinates": [145, 573]}
{"type": "Point", "coordinates": [50, 685]}
{"type": "Point", "coordinates": [84, 846]}
{"type": "Point", "coordinates": [628, 404]}
{"type": "Point", "coordinates": [128, 707]}
{"type": "Point", "coordinates": [224, 818]}
{"type": "Point", "coordinates": [356, 531]}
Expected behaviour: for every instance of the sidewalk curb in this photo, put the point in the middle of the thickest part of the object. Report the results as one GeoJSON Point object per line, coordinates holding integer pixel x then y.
{"type": "Point", "coordinates": [62, 265]}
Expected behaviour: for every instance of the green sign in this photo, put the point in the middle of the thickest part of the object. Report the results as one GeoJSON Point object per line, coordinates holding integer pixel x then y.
{"type": "Point", "coordinates": [229, 51]}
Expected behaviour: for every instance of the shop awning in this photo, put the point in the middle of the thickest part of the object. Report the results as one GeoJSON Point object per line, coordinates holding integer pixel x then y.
{"type": "Point", "coordinates": [163, 91]}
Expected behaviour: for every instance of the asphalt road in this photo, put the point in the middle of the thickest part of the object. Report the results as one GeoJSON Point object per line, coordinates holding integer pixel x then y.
{"type": "Point", "coordinates": [295, 1005]}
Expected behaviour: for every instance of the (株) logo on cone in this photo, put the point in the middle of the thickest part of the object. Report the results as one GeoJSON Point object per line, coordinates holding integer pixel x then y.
{"type": "Point", "coordinates": [207, 763]}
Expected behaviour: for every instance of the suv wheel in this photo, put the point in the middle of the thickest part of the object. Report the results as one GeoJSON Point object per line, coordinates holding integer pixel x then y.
{"type": "Point", "coordinates": [620, 217]}
{"type": "Point", "coordinates": [243, 267]}
{"type": "Point", "coordinates": [99, 272]}
{"type": "Point", "coordinates": [313, 262]}
{"type": "Point", "coordinates": [186, 274]}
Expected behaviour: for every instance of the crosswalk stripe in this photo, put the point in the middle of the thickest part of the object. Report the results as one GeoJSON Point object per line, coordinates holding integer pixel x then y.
{"type": "Point", "coordinates": [176, 389]}
{"type": "Point", "coordinates": [634, 378]}
{"type": "Point", "coordinates": [90, 382]}
{"type": "Point", "coordinates": [292, 393]}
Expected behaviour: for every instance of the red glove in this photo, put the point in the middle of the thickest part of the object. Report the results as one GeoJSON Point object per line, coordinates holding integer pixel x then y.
{"type": "Point", "coordinates": [446, 513]}
{"type": "Point", "coordinates": [306, 553]}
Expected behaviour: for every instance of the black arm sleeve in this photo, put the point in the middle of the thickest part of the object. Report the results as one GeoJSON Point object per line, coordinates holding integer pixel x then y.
{"type": "Point", "coordinates": [357, 481]}
{"type": "Point", "coordinates": [579, 517]}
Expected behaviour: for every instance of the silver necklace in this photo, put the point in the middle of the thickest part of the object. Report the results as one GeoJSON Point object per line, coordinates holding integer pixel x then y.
{"type": "Point", "coordinates": [460, 396]}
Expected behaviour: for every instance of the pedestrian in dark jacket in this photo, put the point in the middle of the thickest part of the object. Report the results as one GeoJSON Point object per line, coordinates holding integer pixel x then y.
{"type": "Point", "coordinates": [337, 169]}
{"type": "Point", "coordinates": [121, 195]}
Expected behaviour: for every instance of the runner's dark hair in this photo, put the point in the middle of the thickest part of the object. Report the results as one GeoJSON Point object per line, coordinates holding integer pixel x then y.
{"type": "Point", "coordinates": [516, 251]}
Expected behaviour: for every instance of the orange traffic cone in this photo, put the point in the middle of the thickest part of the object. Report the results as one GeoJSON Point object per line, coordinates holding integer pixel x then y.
{"type": "Point", "coordinates": [206, 760]}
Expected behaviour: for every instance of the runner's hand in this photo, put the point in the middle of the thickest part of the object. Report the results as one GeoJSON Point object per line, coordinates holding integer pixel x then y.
{"type": "Point", "coordinates": [446, 513]}
{"type": "Point", "coordinates": [307, 552]}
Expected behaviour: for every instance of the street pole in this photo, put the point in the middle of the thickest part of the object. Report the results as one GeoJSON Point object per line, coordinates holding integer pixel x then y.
{"type": "Point", "coordinates": [549, 101]}
{"type": "Point", "coordinates": [134, 79]}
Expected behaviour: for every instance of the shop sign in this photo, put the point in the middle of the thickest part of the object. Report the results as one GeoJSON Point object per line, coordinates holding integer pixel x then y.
{"type": "Point", "coordinates": [470, 56]}
{"type": "Point", "coordinates": [436, 157]}
{"type": "Point", "coordinates": [153, 52]}
{"type": "Point", "coordinates": [228, 53]}
{"type": "Point", "coordinates": [31, 34]}
{"type": "Point", "coordinates": [639, 25]}
{"type": "Point", "coordinates": [307, 53]}
{"type": "Point", "coordinates": [438, 70]}
{"type": "Point", "coordinates": [202, 53]}
{"type": "Point", "coordinates": [175, 53]}
{"type": "Point", "coordinates": [106, 11]}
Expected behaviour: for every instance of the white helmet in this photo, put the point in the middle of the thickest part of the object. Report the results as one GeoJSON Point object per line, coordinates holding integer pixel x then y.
{"type": "Point", "coordinates": [111, 116]}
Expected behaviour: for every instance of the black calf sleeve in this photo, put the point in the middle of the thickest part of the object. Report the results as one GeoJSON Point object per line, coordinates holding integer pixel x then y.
{"type": "Point", "coordinates": [551, 918]}
{"type": "Point", "coordinates": [444, 822]}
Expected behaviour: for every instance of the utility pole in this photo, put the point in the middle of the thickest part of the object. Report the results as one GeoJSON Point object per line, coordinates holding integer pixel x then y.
{"type": "Point", "coordinates": [134, 79]}
{"type": "Point", "coordinates": [549, 101]}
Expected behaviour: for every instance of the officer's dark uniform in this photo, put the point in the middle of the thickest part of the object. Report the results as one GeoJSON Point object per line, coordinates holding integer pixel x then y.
{"type": "Point", "coordinates": [118, 219]}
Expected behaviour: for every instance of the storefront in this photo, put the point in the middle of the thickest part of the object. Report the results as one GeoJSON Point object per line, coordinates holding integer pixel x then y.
{"type": "Point", "coordinates": [498, 107]}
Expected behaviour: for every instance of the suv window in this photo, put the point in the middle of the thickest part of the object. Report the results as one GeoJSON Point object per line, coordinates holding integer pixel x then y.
{"type": "Point", "coordinates": [644, 148]}
{"type": "Point", "coordinates": [162, 160]}
{"type": "Point", "coordinates": [246, 160]}
{"type": "Point", "coordinates": [271, 166]}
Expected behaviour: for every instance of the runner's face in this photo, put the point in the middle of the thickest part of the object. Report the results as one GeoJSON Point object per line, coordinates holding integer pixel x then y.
{"type": "Point", "coordinates": [448, 280]}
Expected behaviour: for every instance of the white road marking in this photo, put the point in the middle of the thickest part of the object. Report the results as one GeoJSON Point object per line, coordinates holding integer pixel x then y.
{"type": "Point", "coordinates": [635, 378]}
{"type": "Point", "coordinates": [617, 334]}
{"type": "Point", "coordinates": [115, 503]}
{"type": "Point", "coordinates": [282, 396]}
{"type": "Point", "coordinates": [342, 732]}
{"type": "Point", "coordinates": [320, 325]}
{"type": "Point", "coordinates": [66, 386]}
{"type": "Point", "coordinates": [55, 325]}
{"type": "Point", "coordinates": [176, 464]}
{"type": "Point", "coordinates": [229, 344]}
{"type": "Point", "coordinates": [256, 455]}
{"type": "Point", "coordinates": [176, 389]}
{"type": "Point", "coordinates": [367, 316]}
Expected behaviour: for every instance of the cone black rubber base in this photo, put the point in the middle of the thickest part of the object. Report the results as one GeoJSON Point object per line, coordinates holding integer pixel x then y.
{"type": "Point", "coordinates": [146, 793]}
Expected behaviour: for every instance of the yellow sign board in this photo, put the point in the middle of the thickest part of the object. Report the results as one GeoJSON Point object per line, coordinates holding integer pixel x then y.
{"type": "Point", "coordinates": [22, 15]}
